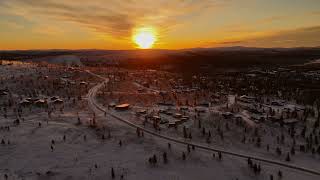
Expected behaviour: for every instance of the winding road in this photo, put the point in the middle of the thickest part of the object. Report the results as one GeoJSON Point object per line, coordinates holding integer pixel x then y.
{"type": "Point", "coordinates": [97, 107]}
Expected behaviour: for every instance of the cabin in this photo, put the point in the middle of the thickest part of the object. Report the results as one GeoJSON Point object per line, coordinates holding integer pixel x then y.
{"type": "Point", "coordinates": [83, 83]}
{"type": "Point", "coordinates": [145, 84]}
{"type": "Point", "coordinates": [276, 103]}
{"type": "Point", "coordinates": [112, 105]}
{"type": "Point", "coordinates": [178, 122]}
{"type": "Point", "coordinates": [227, 115]}
{"type": "Point", "coordinates": [162, 111]}
{"type": "Point", "coordinates": [141, 90]}
{"type": "Point", "coordinates": [164, 121]}
{"type": "Point", "coordinates": [40, 102]}
{"type": "Point", "coordinates": [200, 110]}
{"type": "Point", "coordinates": [54, 98]}
{"type": "Point", "coordinates": [257, 118]}
{"type": "Point", "coordinates": [184, 118]}
{"type": "Point", "coordinates": [156, 119]}
{"type": "Point", "coordinates": [246, 99]}
{"type": "Point", "coordinates": [204, 104]}
{"type": "Point", "coordinates": [177, 115]}
{"type": "Point", "coordinates": [24, 102]}
{"type": "Point", "coordinates": [58, 101]}
{"type": "Point", "coordinates": [122, 107]}
{"type": "Point", "coordinates": [163, 93]}
{"type": "Point", "coordinates": [169, 113]}
{"type": "Point", "coordinates": [172, 124]}
{"type": "Point", "coordinates": [291, 121]}
{"type": "Point", "coordinates": [214, 101]}
{"type": "Point", "coordinates": [29, 99]}
{"type": "Point", "coordinates": [184, 108]}
{"type": "Point", "coordinates": [3, 93]}
{"type": "Point", "coordinates": [142, 111]}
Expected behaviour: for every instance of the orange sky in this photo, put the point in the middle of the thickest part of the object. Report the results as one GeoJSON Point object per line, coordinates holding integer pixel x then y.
{"type": "Point", "coordinates": [109, 24]}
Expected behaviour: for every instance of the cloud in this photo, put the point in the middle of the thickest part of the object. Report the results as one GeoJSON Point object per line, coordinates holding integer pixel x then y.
{"type": "Point", "coordinates": [113, 17]}
{"type": "Point", "coordinates": [12, 25]}
{"type": "Point", "coordinates": [295, 37]}
{"type": "Point", "coordinates": [315, 13]}
{"type": "Point", "coordinates": [48, 30]}
{"type": "Point", "coordinates": [271, 19]}
{"type": "Point", "coordinates": [306, 36]}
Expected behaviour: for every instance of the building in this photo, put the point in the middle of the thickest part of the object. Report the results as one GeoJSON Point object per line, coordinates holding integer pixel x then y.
{"type": "Point", "coordinates": [122, 107]}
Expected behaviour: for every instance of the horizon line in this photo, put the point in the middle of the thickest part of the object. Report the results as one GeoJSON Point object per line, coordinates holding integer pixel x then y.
{"type": "Point", "coordinates": [159, 49]}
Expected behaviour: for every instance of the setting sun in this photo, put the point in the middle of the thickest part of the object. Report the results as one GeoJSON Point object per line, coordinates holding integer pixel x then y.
{"type": "Point", "coordinates": [144, 38]}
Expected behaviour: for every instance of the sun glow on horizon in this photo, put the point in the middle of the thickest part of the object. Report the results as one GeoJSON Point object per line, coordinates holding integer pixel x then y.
{"type": "Point", "coordinates": [144, 38]}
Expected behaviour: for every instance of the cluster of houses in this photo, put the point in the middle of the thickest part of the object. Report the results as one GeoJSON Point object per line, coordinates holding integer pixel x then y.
{"type": "Point", "coordinates": [167, 116]}
{"type": "Point", "coordinates": [40, 102]}
{"type": "Point", "coordinates": [273, 111]}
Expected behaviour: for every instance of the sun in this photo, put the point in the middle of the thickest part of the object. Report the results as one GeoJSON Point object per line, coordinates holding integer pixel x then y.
{"type": "Point", "coordinates": [144, 38]}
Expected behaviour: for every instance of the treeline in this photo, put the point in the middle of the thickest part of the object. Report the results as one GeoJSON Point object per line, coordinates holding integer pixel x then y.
{"type": "Point", "coordinates": [206, 61]}
{"type": "Point", "coordinates": [29, 55]}
{"type": "Point", "coordinates": [188, 60]}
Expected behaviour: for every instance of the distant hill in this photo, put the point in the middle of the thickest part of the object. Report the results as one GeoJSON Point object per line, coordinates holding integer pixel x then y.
{"type": "Point", "coordinates": [184, 59]}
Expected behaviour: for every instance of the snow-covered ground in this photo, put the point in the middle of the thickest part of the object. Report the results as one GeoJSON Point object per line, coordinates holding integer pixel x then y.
{"type": "Point", "coordinates": [29, 155]}
{"type": "Point", "coordinates": [85, 154]}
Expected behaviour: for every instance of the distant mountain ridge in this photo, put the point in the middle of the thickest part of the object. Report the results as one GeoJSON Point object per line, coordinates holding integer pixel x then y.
{"type": "Point", "coordinates": [187, 59]}
{"type": "Point", "coordinates": [227, 48]}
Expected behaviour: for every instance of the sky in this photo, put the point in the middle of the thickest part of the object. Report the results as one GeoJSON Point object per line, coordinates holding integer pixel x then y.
{"type": "Point", "coordinates": [177, 24]}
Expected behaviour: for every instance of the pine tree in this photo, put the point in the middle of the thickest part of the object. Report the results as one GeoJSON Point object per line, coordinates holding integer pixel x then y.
{"type": "Point", "coordinates": [112, 173]}
{"type": "Point", "coordinates": [165, 159]}
{"type": "Point", "coordinates": [271, 177]}
{"type": "Point", "coordinates": [183, 156]}
{"type": "Point", "coordinates": [288, 157]}
{"type": "Point", "coordinates": [249, 161]}
{"type": "Point", "coordinates": [293, 152]}
{"type": "Point", "coordinates": [184, 132]}
{"type": "Point", "coordinates": [220, 156]}
{"type": "Point", "coordinates": [155, 159]}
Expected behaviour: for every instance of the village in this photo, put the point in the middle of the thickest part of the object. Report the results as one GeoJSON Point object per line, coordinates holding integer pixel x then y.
{"type": "Point", "coordinates": [49, 128]}
{"type": "Point", "coordinates": [270, 123]}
